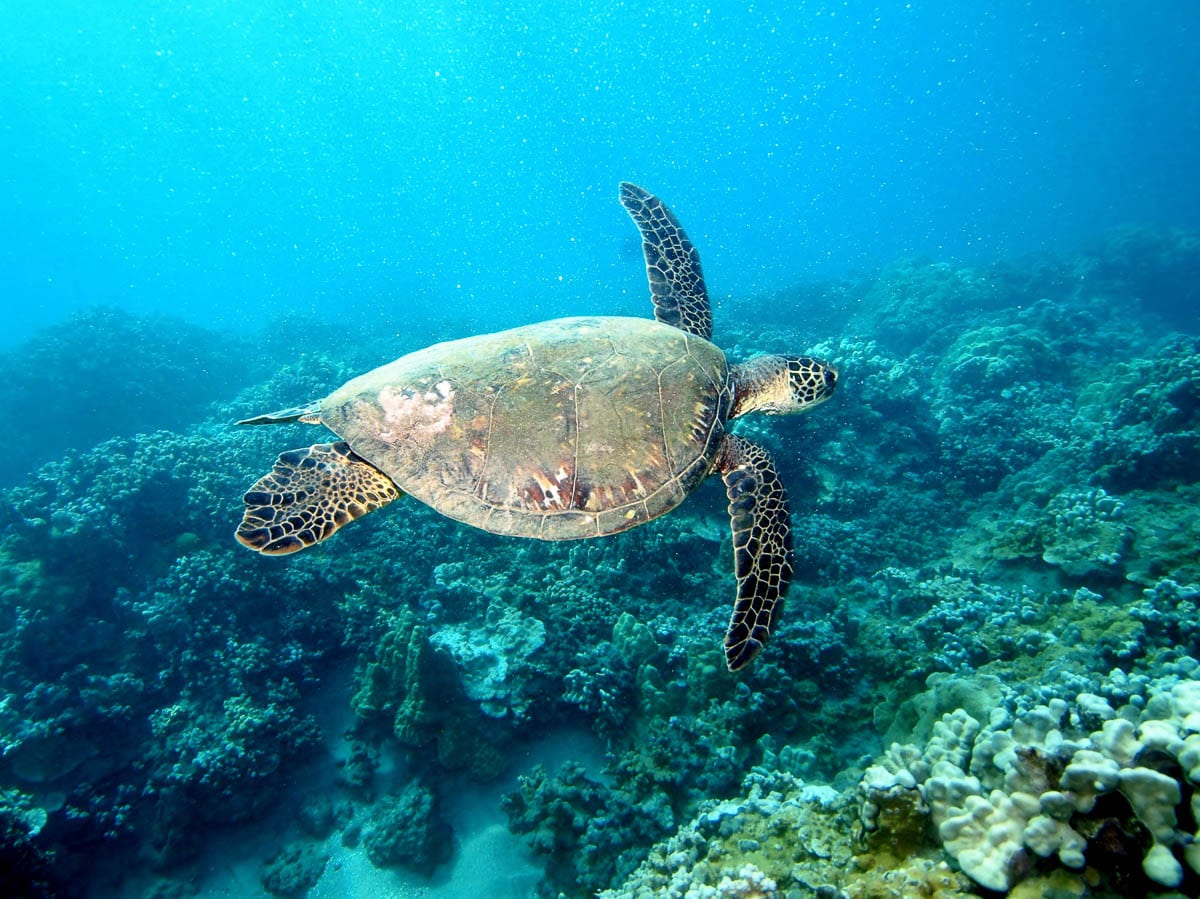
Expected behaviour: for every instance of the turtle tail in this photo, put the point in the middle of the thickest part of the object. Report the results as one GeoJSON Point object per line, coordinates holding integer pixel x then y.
{"type": "Point", "coordinates": [309, 414]}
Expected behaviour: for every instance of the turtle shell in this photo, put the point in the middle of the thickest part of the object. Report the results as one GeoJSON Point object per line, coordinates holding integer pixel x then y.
{"type": "Point", "coordinates": [564, 429]}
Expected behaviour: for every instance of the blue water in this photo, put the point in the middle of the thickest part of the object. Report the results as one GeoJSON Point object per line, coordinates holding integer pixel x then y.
{"type": "Point", "coordinates": [229, 163]}
{"type": "Point", "coordinates": [986, 216]}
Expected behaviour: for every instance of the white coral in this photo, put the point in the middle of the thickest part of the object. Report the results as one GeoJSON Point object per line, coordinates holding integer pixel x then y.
{"type": "Point", "coordinates": [986, 837]}
{"type": "Point", "coordinates": [1026, 777]}
{"type": "Point", "coordinates": [1047, 836]}
{"type": "Point", "coordinates": [750, 883]}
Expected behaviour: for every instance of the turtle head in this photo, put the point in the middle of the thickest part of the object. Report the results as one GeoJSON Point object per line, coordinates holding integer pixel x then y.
{"type": "Point", "coordinates": [781, 385]}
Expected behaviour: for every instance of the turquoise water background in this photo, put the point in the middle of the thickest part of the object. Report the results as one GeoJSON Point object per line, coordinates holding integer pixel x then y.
{"type": "Point", "coordinates": [232, 162]}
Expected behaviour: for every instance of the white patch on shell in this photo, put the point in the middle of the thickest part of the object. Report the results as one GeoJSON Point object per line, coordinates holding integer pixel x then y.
{"type": "Point", "coordinates": [551, 487]}
{"type": "Point", "coordinates": [409, 414]}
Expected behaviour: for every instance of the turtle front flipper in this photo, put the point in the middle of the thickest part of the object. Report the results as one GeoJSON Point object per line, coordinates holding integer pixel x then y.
{"type": "Point", "coordinates": [308, 495]}
{"type": "Point", "coordinates": [762, 545]}
{"type": "Point", "coordinates": [672, 264]}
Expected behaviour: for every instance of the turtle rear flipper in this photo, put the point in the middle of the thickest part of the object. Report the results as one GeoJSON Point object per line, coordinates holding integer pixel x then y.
{"type": "Point", "coordinates": [762, 545]}
{"type": "Point", "coordinates": [672, 264]}
{"type": "Point", "coordinates": [308, 495]}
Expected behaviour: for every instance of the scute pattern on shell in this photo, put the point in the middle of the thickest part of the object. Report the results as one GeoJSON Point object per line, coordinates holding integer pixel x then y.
{"type": "Point", "coordinates": [564, 429]}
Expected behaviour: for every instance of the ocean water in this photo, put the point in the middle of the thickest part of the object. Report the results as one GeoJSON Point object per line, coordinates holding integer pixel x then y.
{"type": "Point", "coordinates": [230, 165]}
{"type": "Point", "coordinates": [985, 216]}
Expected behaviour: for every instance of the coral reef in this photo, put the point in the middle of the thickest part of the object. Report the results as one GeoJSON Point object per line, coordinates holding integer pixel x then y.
{"type": "Point", "coordinates": [223, 765]}
{"type": "Point", "coordinates": [996, 571]}
{"type": "Point", "coordinates": [1059, 779]}
{"type": "Point", "coordinates": [25, 866]}
{"type": "Point", "coordinates": [492, 659]}
{"type": "Point", "coordinates": [782, 838]}
{"type": "Point", "coordinates": [418, 688]}
{"type": "Point", "coordinates": [407, 829]}
{"type": "Point", "coordinates": [294, 870]}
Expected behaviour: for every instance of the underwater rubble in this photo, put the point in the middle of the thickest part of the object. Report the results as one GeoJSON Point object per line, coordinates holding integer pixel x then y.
{"type": "Point", "coordinates": [984, 681]}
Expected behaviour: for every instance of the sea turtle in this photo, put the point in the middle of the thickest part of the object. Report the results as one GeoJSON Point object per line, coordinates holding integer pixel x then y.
{"type": "Point", "coordinates": [572, 428]}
